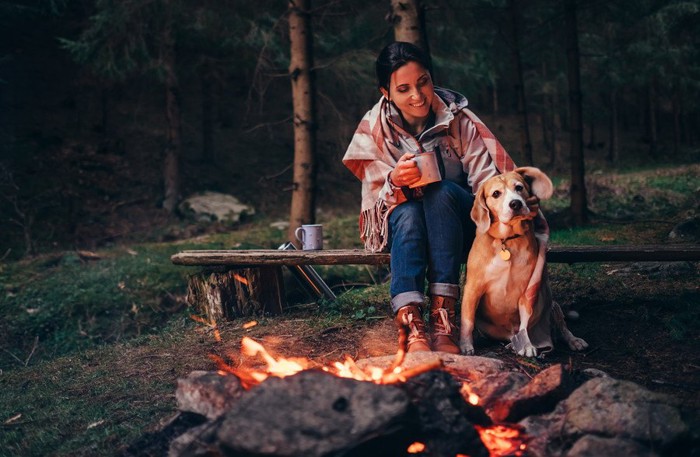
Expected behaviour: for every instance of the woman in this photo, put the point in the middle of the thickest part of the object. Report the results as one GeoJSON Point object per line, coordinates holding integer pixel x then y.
{"type": "Point", "coordinates": [427, 228]}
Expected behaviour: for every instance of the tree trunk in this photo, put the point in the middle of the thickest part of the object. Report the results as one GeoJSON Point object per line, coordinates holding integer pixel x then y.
{"type": "Point", "coordinates": [653, 136]}
{"type": "Point", "coordinates": [579, 207]}
{"type": "Point", "coordinates": [494, 96]}
{"type": "Point", "coordinates": [545, 115]}
{"type": "Point", "coordinates": [409, 23]}
{"type": "Point", "coordinates": [613, 146]}
{"type": "Point", "coordinates": [525, 143]}
{"type": "Point", "coordinates": [303, 98]}
{"type": "Point", "coordinates": [676, 121]}
{"type": "Point", "coordinates": [229, 294]}
{"type": "Point", "coordinates": [555, 123]}
{"type": "Point", "coordinates": [208, 152]}
{"type": "Point", "coordinates": [171, 169]}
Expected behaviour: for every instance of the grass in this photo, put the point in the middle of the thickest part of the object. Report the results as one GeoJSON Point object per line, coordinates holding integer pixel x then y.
{"type": "Point", "coordinates": [92, 348]}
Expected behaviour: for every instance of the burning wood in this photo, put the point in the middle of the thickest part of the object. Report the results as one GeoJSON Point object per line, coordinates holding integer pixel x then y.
{"type": "Point", "coordinates": [410, 404]}
{"type": "Point", "coordinates": [282, 367]}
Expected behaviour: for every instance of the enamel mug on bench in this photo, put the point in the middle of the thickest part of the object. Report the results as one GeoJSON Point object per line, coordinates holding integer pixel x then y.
{"type": "Point", "coordinates": [310, 236]}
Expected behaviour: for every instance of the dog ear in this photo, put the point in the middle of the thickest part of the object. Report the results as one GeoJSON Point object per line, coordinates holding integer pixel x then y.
{"type": "Point", "coordinates": [540, 184]}
{"type": "Point", "coordinates": [480, 212]}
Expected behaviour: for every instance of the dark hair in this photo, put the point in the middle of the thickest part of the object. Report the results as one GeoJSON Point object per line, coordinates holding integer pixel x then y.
{"type": "Point", "coordinates": [396, 55]}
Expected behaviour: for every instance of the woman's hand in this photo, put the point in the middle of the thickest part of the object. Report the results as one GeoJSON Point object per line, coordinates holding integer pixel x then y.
{"type": "Point", "coordinates": [406, 171]}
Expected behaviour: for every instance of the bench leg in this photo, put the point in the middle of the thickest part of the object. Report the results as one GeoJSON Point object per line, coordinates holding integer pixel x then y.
{"type": "Point", "coordinates": [242, 292]}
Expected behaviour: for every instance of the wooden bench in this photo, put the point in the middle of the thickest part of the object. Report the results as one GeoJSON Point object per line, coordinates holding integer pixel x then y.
{"type": "Point", "coordinates": [236, 283]}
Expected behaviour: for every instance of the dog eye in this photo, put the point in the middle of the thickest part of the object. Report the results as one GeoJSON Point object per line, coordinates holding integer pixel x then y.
{"type": "Point", "coordinates": [519, 188]}
{"type": "Point", "coordinates": [496, 194]}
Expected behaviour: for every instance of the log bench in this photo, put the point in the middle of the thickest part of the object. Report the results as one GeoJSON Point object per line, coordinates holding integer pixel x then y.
{"type": "Point", "coordinates": [237, 283]}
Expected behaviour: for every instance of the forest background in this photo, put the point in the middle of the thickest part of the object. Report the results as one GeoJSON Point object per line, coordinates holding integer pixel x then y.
{"type": "Point", "coordinates": [107, 104]}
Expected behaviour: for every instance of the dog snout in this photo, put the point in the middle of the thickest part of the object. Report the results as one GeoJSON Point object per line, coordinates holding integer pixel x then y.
{"type": "Point", "coordinates": [515, 205]}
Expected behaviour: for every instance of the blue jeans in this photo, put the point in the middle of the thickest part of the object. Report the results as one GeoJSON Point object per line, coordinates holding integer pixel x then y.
{"type": "Point", "coordinates": [430, 235]}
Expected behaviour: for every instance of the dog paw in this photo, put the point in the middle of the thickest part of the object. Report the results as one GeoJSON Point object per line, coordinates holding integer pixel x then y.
{"type": "Point", "coordinates": [577, 344]}
{"type": "Point", "coordinates": [466, 348]}
{"type": "Point", "coordinates": [528, 351]}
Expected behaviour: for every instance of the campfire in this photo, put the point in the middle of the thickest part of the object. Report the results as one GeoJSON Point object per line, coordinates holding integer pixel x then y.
{"type": "Point", "coordinates": [420, 404]}
{"type": "Point", "coordinates": [398, 416]}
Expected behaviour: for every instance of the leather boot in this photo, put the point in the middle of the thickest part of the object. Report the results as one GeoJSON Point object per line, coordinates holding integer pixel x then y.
{"type": "Point", "coordinates": [445, 331]}
{"type": "Point", "coordinates": [410, 319]}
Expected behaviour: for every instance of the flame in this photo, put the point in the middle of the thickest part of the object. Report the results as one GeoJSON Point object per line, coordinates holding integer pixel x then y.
{"type": "Point", "coordinates": [415, 448]}
{"type": "Point", "coordinates": [250, 324]}
{"type": "Point", "coordinates": [240, 279]}
{"type": "Point", "coordinates": [502, 440]}
{"type": "Point", "coordinates": [280, 368]}
{"type": "Point", "coordinates": [468, 394]}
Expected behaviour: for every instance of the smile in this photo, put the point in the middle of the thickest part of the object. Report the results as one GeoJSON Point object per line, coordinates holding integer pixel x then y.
{"type": "Point", "coordinates": [418, 105]}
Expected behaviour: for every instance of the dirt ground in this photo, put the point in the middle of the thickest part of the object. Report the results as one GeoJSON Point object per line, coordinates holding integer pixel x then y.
{"type": "Point", "coordinates": [630, 320]}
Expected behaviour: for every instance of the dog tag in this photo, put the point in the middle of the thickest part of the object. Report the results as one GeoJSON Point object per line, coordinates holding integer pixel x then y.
{"type": "Point", "coordinates": [505, 254]}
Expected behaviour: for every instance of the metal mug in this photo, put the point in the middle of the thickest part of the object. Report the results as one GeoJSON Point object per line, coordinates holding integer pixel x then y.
{"type": "Point", "coordinates": [429, 169]}
{"type": "Point", "coordinates": [310, 236]}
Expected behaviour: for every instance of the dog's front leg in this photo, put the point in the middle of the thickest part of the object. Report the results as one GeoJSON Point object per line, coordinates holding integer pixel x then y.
{"type": "Point", "coordinates": [520, 342]}
{"type": "Point", "coordinates": [470, 300]}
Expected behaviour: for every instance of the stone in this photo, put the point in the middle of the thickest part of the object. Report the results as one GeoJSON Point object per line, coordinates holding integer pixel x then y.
{"type": "Point", "coordinates": [597, 446]}
{"type": "Point", "coordinates": [207, 393]}
{"type": "Point", "coordinates": [463, 366]}
{"type": "Point", "coordinates": [540, 395]}
{"type": "Point", "coordinates": [214, 206]}
{"type": "Point", "coordinates": [195, 442]}
{"type": "Point", "coordinates": [594, 373]}
{"type": "Point", "coordinates": [446, 419]}
{"type": "Point", "coordinates": [280, 225]}
{"type": "Point", "coordinates": [688, 230]}
{"type": "Point", "coordinates": [316, 414]}
{"type": "Point", "coordinates": [608, 408]}
{"type": "Point", "coordinates": [492, 387]}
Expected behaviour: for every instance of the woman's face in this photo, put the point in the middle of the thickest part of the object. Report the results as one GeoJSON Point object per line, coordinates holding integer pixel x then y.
{"type": "Point", "coordinates": [411, 90]}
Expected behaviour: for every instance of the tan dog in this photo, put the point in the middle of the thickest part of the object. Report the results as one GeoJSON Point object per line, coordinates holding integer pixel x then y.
{"type": "Point", "coordinates": [503, 257]}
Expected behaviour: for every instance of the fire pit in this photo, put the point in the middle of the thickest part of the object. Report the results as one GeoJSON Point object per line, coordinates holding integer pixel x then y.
{"type": "Point", "coordinates": [420, 404]}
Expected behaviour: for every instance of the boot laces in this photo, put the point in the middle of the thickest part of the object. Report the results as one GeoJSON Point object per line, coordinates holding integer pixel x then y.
{"type": "Point", "coordinates": [443, 325]}
{"type": "Point", "coordinates": [408, 321]}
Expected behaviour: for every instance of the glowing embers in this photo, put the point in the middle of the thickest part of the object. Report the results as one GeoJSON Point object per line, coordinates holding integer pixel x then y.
{"type": "Point", "coordinates": [502, 440]}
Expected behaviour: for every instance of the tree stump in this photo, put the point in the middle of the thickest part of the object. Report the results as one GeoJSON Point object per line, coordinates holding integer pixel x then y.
{"type": "Point", "coordinates": [232, 293]}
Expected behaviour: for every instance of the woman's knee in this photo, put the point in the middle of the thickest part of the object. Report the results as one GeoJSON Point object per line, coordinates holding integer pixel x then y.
{"type": "Point", "coordinates": [449, 193]}
{"type": "Point", "coordinates": [406, 219]}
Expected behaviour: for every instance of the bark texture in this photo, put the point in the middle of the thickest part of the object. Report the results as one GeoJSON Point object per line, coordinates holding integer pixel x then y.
{"type": "Point", "coordinates": [579, 205]}
{"type": "Point", "coordinates": [236, 293]}
{"type": "Point", "coordinates": [409, 23]}
{"type": "Point", "coordinates": [173, 147]}
{"type": "Point", "coordinates": [303, 98]}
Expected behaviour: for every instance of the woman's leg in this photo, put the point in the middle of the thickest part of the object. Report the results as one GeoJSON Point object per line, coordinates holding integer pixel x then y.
{"type": "Point", "coordinates": [409, 254]}
{"type": "Point", "coordinates": [408, 264]}
{"type": "Point", "coordinates": [450, 232]}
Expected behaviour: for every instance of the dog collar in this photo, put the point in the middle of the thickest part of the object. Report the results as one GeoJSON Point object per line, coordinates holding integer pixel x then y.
{"type": "Point", "coordinates": [505, 253]}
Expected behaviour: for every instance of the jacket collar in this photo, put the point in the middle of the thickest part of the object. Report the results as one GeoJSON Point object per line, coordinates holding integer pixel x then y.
{"type": "Point", "coordinates": [445, 105]}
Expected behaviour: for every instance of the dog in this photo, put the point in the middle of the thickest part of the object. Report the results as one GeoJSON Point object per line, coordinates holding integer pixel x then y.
{"type": "Point", "coordinates": [501, 298]}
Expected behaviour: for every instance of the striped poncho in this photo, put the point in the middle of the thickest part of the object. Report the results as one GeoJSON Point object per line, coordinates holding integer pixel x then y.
{"type": "Point", "coordinates": [380, 141]}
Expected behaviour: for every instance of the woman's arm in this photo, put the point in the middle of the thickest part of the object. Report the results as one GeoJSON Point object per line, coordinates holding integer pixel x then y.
{"type": "Point", "coordinates": [475, 157]}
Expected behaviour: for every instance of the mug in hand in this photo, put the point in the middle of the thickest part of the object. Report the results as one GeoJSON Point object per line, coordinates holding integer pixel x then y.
{"type": "Point", "coordinates": [429, 170]}
{"type": "Point", "coordinates": [310, 236]}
